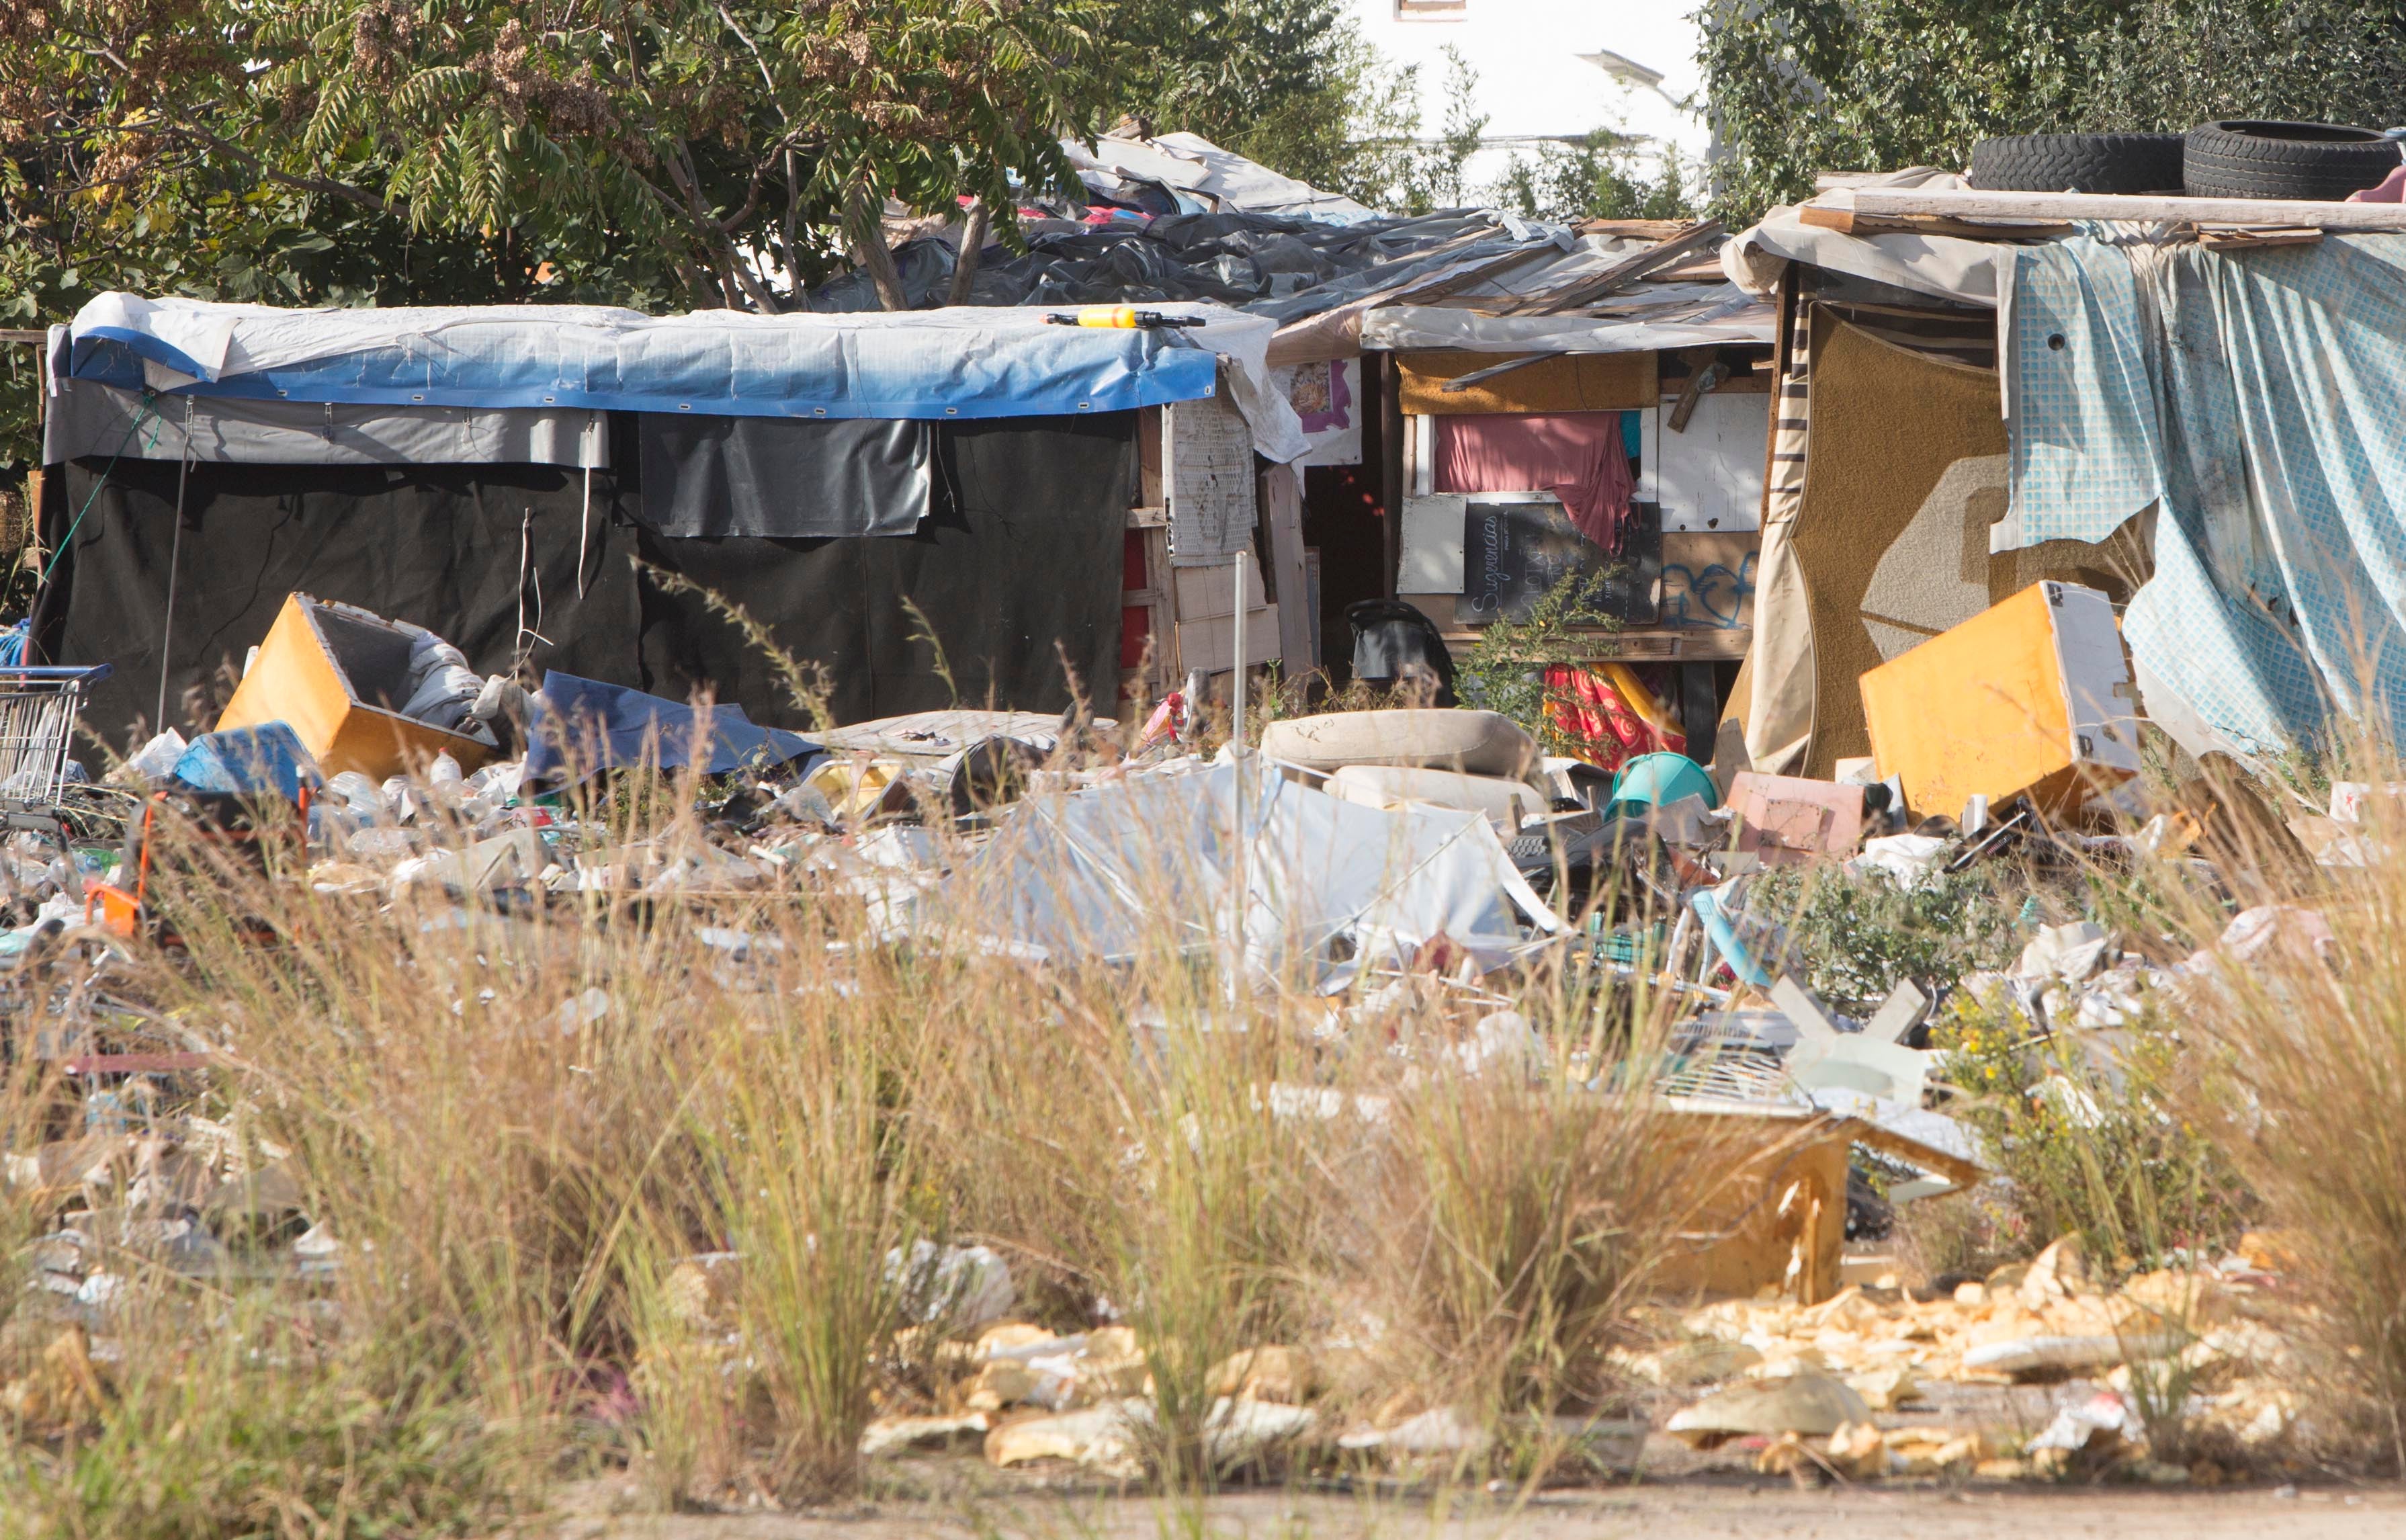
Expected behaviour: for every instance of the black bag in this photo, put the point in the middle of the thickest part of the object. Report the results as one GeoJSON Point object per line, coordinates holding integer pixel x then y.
{"type": "Point", "coordinates": [1393, 643]}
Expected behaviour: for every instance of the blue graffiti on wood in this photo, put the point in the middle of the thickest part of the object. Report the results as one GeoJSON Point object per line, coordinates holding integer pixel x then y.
{"type": "Point", "coordinates": [1713, 596]}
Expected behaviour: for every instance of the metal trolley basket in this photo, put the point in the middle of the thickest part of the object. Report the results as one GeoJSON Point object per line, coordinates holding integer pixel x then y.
{"type": "Point", "coordinates": [38, 708]}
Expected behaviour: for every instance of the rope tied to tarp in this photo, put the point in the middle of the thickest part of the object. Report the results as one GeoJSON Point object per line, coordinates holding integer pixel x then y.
{"type": "Point", "coordinates": [149, 413]}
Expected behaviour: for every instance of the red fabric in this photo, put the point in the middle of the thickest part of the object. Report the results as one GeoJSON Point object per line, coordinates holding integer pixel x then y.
{"type": "Point", "coordinates": [1576, 456]}
{"type": "Point", "coordinates": [2388, 192]}
{"type": "Point", "coordinates": [1604, 729]}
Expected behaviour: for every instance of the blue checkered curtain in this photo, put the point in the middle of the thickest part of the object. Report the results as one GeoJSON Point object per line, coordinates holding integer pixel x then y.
{"type": "Point", "coordinates": [2079, 409]}
{"type": "Point", "coordinates": [2273, 429]}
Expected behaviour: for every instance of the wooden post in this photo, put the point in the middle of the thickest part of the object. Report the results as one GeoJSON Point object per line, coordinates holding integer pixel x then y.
{"type": "Point", "coordinates": [1281, 492]}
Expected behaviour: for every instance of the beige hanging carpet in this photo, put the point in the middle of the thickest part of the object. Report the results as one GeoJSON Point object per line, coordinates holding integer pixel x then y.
{"type": "Point", "coordinates": [1903, 477]}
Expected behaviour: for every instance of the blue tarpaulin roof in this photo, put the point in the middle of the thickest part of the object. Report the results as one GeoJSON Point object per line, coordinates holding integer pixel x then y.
{"type": "Point", "coordinates": [958, 364]}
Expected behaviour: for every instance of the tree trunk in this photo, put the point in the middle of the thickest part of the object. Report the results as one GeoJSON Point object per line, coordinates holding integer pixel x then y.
{"type": "Point", "coordinates": [965, 262]}
{"type": "Point", "coordinates": [869, 250]}
{"type": "Point", "coordinates": [792, 232]}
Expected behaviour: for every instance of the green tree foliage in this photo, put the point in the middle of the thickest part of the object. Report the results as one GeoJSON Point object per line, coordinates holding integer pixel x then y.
{"type": "Point", "coordinates": [1607, 177]}
{"type": "Point", "coordinates": [686, 150]}
{"type": "Point", "coordinates": [1290, 83]}
{"type": "Point", "coordinates": [1801, 86]}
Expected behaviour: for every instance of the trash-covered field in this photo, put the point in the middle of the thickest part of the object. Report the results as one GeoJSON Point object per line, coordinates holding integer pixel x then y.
{"type": "Point", "coordinates": [749, 1128]}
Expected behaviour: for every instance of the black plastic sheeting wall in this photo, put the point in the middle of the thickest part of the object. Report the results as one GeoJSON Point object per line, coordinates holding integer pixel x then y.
{"type": "Point", "coordinates": [1016, 567]}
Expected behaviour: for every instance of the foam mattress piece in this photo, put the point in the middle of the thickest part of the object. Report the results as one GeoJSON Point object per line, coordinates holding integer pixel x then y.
{"type": "Point", "coordinates": [1470, 742]}
{"type": "Point", "coordinates": [1503, 801]}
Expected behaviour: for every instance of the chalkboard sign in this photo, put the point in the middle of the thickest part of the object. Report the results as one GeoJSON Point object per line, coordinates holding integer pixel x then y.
{"type": "Point", "coordinates": [1514, 552]}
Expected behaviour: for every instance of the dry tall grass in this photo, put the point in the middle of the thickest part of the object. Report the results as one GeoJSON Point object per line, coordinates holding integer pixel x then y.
{"type": "Point", "coordinates": [2307, 1040]}
{"type": "Point", "coordinates": [516, 1126]}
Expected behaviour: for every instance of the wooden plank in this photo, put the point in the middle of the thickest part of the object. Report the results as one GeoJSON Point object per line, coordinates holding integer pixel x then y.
{"type": "Point", "coordinates": [1147, 456]}
{"type": "Point", "coordinates": [1972, 204]}
{"type": "Point", "coordinates": [1642, 229]}
{"type": "Point", "coordinates": [1148, 518]}
{"type": "Point", "coordinates": [2218, 238]}
{"type": "Point", "coordinates": [1856, 223]}
{"type": "Point", "coordinates": [1630, 269]}
{"type": "Point", "coordinates": [1281, 494]}
{"type": "Point", "coordinates": [1167, 673]}
{"type": "Point", "coordinates": [1700, 269]}
{"type": "Point", "coordinates": [1689, 644]}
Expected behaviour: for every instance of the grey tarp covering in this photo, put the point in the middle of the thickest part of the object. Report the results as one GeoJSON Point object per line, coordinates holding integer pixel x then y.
{"type": "Point", "coordinates": [87, 418]}
{"type": "Point", "coordinates": [1143, 865]}
{"type": "Point", "coordinates": [1720, 314]}
{"type": "Point", "coordinates": [1200, 177]}
{"type": "Point", "coordinates": [1944, 268]}
{"type": "Point", "coordinates": [781, 478]}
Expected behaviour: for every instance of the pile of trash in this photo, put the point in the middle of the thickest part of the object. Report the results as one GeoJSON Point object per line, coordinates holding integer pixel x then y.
{"type": "Point", "coordinates": [1809, 1387]}
{"type": "Point", "coordinates": [1392, 876]}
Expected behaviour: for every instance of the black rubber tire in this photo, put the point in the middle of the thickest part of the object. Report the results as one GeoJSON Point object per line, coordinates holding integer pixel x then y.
{"type": "Point", "coordinates": [2320, 161]}
{"type": "Point", "coordinates": [2078, 162]}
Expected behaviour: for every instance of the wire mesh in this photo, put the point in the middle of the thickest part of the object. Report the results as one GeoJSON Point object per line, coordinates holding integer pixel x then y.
{"type": "Point", "coordinates": [38, 718]}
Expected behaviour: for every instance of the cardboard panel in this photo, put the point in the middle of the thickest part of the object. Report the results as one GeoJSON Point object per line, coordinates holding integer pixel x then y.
{"type": "Point", "coordinates": [1207, 454]}
{"type": "Point", "coordinates": [1708, 580]}
{"type": "Point", "coordinates": [1566, 382]}
{"type": "Point", "coordinates": [1206, 591]}
{"type": "Point", "coordinates": [1787, 821]}
{"type": "Point", "coordinates": [1209, 644]}
{"type": "Point", "coordinates": [1774, 1213]}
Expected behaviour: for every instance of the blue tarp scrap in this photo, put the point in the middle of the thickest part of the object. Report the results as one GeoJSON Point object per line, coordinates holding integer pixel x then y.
{"type": "Point", "coordinates": [581, 725]}
{"type": "Point", "coordinates": [248, 761]}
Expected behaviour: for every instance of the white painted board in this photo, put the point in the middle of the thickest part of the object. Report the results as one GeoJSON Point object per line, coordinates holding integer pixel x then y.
{"type": "Point", "coordinates": [1710, 477]}
{"type": "Point", "coordinates": [1432, 554]}
{"type": "Point", "coordinates": [2096, 684]}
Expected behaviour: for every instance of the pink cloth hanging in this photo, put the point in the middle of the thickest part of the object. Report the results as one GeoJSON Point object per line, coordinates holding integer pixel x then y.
{"type": "Point", "coordinates": [1576, 456]}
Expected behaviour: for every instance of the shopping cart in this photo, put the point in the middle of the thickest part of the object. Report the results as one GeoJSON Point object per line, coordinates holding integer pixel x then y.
{"type": "Point", "coordinates": [38, 708]}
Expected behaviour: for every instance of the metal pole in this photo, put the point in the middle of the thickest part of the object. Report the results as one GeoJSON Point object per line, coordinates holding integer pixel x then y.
{"type": "Point", "coordinates": [1237, 744]}
{"type": "Point", "coordinates": [175, 560]}
{"type": "Point", "coordinates": [1237, 689]}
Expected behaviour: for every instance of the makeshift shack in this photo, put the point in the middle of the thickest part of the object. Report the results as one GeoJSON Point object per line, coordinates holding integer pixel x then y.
{"type": "Point", "coordinates": [2179, 402]}
{"type": "Point", "coordinates": [977, 504]}
{"type": "Point", "coordinates": [1598, 405]}
{"type": "Point", "coordinates": [1612, 358]}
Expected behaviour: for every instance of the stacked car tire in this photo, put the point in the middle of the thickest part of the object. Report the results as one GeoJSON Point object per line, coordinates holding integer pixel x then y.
{"type": "Point", "coordinates": [2238, 158]}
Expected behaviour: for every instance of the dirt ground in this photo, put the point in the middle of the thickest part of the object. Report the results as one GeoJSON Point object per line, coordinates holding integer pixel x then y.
{"type": "Point", "coordinates": [1677, 1510]}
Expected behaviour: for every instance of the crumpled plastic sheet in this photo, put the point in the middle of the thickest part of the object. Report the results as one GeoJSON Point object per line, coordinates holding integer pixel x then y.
{"type": "Point", "coordinates": [1282, 267]}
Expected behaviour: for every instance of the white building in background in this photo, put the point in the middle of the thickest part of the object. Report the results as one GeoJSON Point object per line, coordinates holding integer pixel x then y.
{"type": "Point", "coordinates": [1552, 69]}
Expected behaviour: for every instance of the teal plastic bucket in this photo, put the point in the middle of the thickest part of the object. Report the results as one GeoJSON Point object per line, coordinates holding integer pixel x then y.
{"type": "Point", "coordinates": [1659, 780]}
